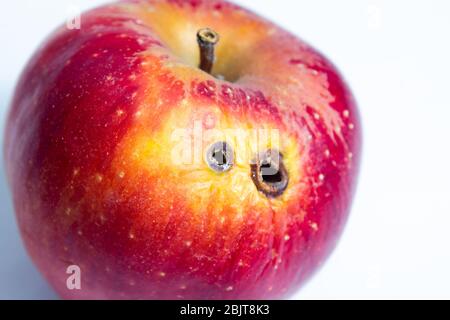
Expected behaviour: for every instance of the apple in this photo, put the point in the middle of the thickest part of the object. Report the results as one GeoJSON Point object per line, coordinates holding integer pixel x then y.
{"type": "Point", "coordinates": [176, 149]}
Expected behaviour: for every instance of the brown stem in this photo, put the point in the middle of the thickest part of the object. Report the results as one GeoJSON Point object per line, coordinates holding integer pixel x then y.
{"type": "Point", "coordinates": [207, 40]}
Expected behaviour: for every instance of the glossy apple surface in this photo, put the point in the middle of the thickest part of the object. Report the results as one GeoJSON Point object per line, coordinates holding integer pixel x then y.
{"type": "Point", "coordinates": [90, 143]}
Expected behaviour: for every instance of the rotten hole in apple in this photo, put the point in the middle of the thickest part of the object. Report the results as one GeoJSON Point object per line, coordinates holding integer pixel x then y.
{"type": "Point", "coordinates": [220, 157]}
{"type": "Point", "coordinates": [269, 173]}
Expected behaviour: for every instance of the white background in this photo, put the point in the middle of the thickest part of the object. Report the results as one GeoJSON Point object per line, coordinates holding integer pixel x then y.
{"type": "Point", "coordinates": [396, 57]}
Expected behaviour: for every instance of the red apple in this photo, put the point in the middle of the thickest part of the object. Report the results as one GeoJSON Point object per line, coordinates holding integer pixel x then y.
{"type": "Point", "coordinates": [91, 149]}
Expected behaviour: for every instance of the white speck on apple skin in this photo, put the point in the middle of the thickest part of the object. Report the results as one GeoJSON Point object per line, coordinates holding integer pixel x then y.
{"type": "Point", "coordinates": [98, 178]}
{"type": "Point", "coordinates": [346, 114]}
{"type": "Point", "coordinates": [109, 78]}
{"type": "Point", "coordinates": [314, 226]}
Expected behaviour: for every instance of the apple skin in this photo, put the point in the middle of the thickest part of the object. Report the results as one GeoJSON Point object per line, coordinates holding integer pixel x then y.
{"type": "Point", "coordinates": [88, 144]}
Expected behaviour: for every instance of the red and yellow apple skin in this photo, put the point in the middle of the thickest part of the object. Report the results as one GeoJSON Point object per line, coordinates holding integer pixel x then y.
{"type": "Point", "coordinates": [89, 143]}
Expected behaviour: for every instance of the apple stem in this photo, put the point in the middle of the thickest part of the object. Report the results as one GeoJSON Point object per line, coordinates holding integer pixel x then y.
{"type": "Point", "coordinates": [207, 40]}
